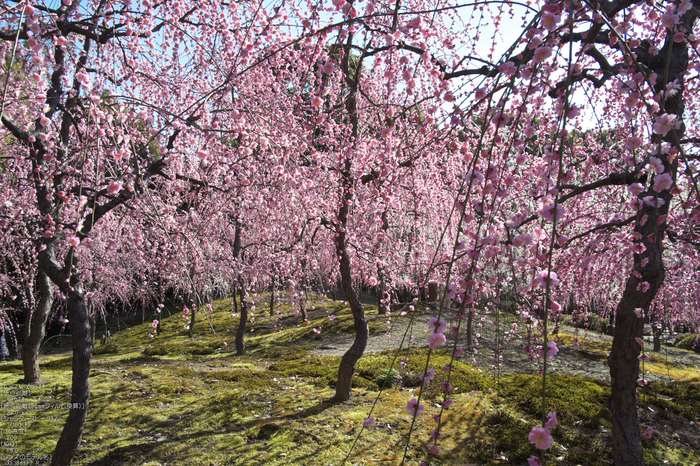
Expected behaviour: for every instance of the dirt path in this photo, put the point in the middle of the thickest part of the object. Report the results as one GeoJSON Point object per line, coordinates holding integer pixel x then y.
{"type": "Point", "coordinates": [514, 359]}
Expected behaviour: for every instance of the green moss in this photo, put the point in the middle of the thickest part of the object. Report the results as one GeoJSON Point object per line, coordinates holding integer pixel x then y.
{"type": "Point", "coordinates": [575, 399]}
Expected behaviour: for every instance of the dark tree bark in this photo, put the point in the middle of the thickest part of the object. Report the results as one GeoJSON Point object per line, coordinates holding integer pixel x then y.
{"type": "Point", "coordinates": [81, 333]}
{"type": "Point", "coordinates": [272, 297]}
{"type": "Point", "coordinates": [648, 271]}
{"type": "Point", "coordinates": [240, 333]}
{"type": "Point", "coordinates": [36, 329]}
{"type": "Point", "coordinates": [350, 358]}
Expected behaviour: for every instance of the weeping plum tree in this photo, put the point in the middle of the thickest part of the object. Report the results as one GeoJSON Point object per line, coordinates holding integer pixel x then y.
{"type": "Point", "coordinates": [556, 160]}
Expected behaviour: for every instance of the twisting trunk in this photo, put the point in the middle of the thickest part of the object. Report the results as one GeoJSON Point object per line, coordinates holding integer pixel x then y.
{"type": "Point", "coordinates": [272, 297]}
{"type": "Point", "coordinates": [350, 358]}
{"type": "Point", "coordinates": [648, 271]}
{"type": "Point", "coordinates": [240, 333]}
{"type": "Point", "coordinates": [36, 328]}
{"type": "Point", "coordinates": [81, 333]}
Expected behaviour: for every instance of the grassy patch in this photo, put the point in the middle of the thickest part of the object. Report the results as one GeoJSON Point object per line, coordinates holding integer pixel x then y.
{"type": "Point", "coordinates": [176, 400]}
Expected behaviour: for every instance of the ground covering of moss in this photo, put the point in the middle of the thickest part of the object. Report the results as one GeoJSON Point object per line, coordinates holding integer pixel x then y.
{"type": "Point", "coordinates": [172, 400]}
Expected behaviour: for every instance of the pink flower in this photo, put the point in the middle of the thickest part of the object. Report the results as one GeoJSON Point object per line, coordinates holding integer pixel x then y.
{"type": "Point", "coordinates": [414, 409]}
{"type": "Point", "coordinates": [635, 189]}
{"type": "Point", "coordinates": [331, 317]}
{"type": "Point", "coordinates": [438, 325]}
{"type": "Point", "coordinates": [656, 165]}
{"type": "Point", "coordinates": [543, 277]}
{"type": "Point", "coordinates": [372, 281]}
{"type": "Point", "coordinates": [368, 422]}
{"type": "Point", "coordinates": [665, 123]}
{"type": "Point", "coordinates": [634, 142]}
{"type": "Point", "coordinates": [225, 344]}
{"type": "Point", "coordinates": [508, 68]}
{"type": "Point", "coordinates": [542, 53]}
{"type": "Point", "coordinates": [663, 182]}
{"type": "Point", "coordinates": [74, 241]}
{"type": "Point", "coordinates": [551, 420]}
{"type": "Point", "coordinates": [428, 376]}
{"type": "Point", "coordinates": [436, 340]}
{"type": "Point", "coordinates": [434, 450]}
{"type": "Point", "coordinates": [647, 433]}
{"type": "Point", "coordinates": [643, 287]}
{"type": "Point", "coordinates": [540, 437]}
{"type": "Point", "coordinates": [114, 187]}
{"type": "Point", "coordinates": [316, 101]}
{"type": "Point", "coordinates": [63, 320]}
{"type": "Point", "coordinates": [328, 68]}
{"type": "Point", "coordinates": [549, 212]}
{"type": "Point", "coordinates": [448, 402]}
{"type": "Point", "coordinates": [550, 21]}
{"type": "Point", "coordinates": [534, 461]}
{"type": "Point", "coordinates": [522, 240]}
{"type": "Point", "coordinates": [577, 343]}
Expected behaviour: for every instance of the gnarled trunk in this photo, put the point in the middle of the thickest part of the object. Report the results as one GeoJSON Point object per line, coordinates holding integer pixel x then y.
{"type": "Point", "coordinates": [36, 329]}
{"type": "Point", "coordinates": [81, 333]}
{"type": "Point", "coordinates": [240, 333]}
{"type": "Point", "coordinates": [350, 358]}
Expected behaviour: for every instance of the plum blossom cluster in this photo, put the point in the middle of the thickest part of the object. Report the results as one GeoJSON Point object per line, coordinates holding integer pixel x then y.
{"type": "Point", "coordinates": [541, 438]}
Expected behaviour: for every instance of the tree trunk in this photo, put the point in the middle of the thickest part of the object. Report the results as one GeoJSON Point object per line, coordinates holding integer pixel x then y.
{"type": "Point", "coordinates": [382, 301]}
{"type": "Point", "coordinates": [350, 358]}
{"type": "Point", "coordinates": [240, 333]}
{"type": "Point", "coordinates": [671, 64]}
{"type": "Point", "coordinates": [272, 298]}
{"type": "Point", "coordinates": [80, 392]}
{"type": "Point", "coordinates": [36, 327]}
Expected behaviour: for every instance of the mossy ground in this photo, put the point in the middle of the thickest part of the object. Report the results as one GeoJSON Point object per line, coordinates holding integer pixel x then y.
{"type": "Point", "coordinates": [175, 400]}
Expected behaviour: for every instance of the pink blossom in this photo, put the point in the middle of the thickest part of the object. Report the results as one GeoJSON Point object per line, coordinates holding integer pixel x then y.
{"type": "Point", "coordinates": [543, 277]}
{"type": "Point", "coordinates": [438, 326]}
{"type": "Point", "coordinates": [448, 402]}
{"type": "Point", "coordinates": [549, 212]}
{"type": "Point", "coordinates": [434, 450]}
{"type": "Point", "coordinates": [635, 189]}
{"type": "Point", "coordinates": [665, 123]}
{"type": "Point", "coordinates": [368, 422]}
{"type": "Point", "coordinates": [522, 240]}
{"type": "Point", "coordinates": [508, 68]}
{"type": "Point", "coordinates": [641, 382]}
{"type": "Point", "coordinates": [427, 377]}
{"type": "Point", "coordinates": [436, 340]}
{"type": "Point", "coordinates": [541, 438]}
{"type": "Point", "coordinates": [74, 241]}
{"type": "Point", "coordinates": [414, 409]}
{"type": "Point", "coordinates": [634, 142]}
{"type": "Point", "coordinates": [647, 433]}
{"type": "Point", "coordinates": [550, 21]}
{"type": "Point", "coordinates": [114, 187]}
{"type": "Point", "coordinates": [663, 182]}
{"type": "Point", "coordinates": [643, 287]}
{"type": "Point", "coordinates": [577, 343]}
{"type": "Point", "coordinates": [225, 344]}
{"type": "Point", "coordinates": [656, 165]}
{"type": "Point", "coordinates": [316, 101]}
{"type": "Point", "coordinates": [534, 461]}
{"type": "Point", "coordinates": [63, 320]}
{"type": "Point", "coordinates": [551, 420]}
{"type": "Point", "coordinates": [328, 68]}
{"type": "Point", "coordinates": [542, 53]}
